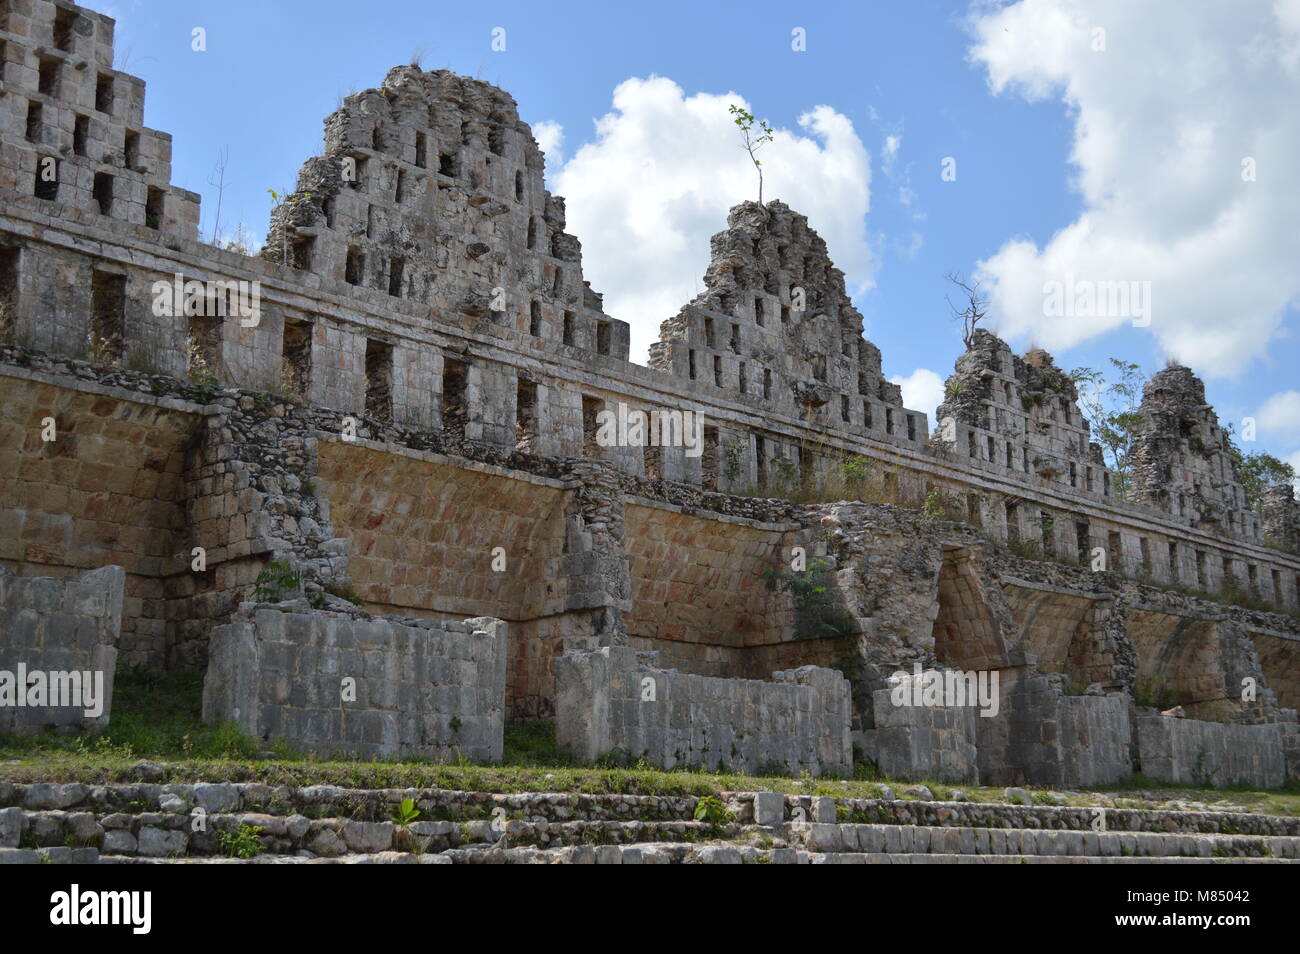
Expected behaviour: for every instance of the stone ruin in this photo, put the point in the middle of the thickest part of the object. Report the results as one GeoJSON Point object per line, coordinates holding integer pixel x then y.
{"type": "Point", "coordinates": [403, 434]}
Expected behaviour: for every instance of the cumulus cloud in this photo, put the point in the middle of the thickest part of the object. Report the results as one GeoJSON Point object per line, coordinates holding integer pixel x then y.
{"type": "Point", "coordinates": [1278, 418]}
{"type": "Point", "coordinates": [663, 169]}
{"type": "Point", "coordinates": [1294, 461]}
{"type": "Point", "coordinates": [550, 137]}
{"type": "Point", "coordinates": [1184, 101]}
{"type": "Point", "coordinates": [922, 390]}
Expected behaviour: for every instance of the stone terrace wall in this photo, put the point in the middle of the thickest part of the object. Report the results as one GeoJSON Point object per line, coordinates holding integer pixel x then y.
{"type": "Point", "coordinates": [60, 625]}
{"type": "Point", "coordinates": [1039, 736]}
{"type": "Point", "coordinates": [798, 722]}
{"type": "Point", "coordinates": [422, 688]}
{"type": "Point", "coordinates": [1212, 753]}
{"type": "Point", "coordinates": [1096, 739]}
{"type": "Point", "coordinates": [922, 742]}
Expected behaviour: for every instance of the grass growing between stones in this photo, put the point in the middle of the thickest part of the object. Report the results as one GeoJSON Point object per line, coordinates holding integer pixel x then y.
{"type": "Point", "coordinates": [156, 718]}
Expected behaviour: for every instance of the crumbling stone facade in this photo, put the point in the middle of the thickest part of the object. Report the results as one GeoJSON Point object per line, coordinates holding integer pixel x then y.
{"type": "Point", "coordinates": [1181, 458]}
{"type": "Point", "coordinates": [407, 420]}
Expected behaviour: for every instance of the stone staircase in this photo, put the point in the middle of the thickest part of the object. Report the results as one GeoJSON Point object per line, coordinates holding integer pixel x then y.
{"type": "Point", "coordinates": [200, 823]}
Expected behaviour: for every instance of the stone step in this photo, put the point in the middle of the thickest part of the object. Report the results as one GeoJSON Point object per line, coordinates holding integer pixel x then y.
{"type": "Point", "coordinates": [864, 858]}
{"type": "Point", "coordinates": [154, 835]}
{"type": "Point", "coordinates": [920, 839]}
{"type": "Point", "coordinates": [57, 855]}
{"type": "Point", "coordinates": [157, 834]}
{"type": "Point", "coordinates": [153, 820]}
{"type": "Point", "coordinates": [772, 809]}
{"type": "Point", "coordinates": [651, 853]}
{"type": "Point", "coordinates": [363, 804]}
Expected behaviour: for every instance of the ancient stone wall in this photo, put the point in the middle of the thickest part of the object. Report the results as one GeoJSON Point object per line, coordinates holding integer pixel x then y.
{"type": "Point", "coordinates": [775, 328]}
{"type": "Point", "coordinates": [96, 474]}
{"type": "Point", "coordinates": [697, 580]}
{"type": "Point", "coordinates": [74, 126]}
{"type": "Point", "coordinates": [1279, 516]}
{"type": "Point", "coordinates": [429, 188]}
{"type": "Point", "coordinates": [421, 382]}
{"type": "Point", "coordinates": [1191, 752]}
{"type": "Point", "coordinates": [614, 700]}
{"type": "Point", "coordinates": [1182, 462]}
{"type": "Point", "coordinates": [921, 742]}
{"type": "Point", "coordinates": [361, 687]}
{"type": "Point", "coordinates": [1041, 736]}
{"type": "Point", "coordinates": [1037, 735]}
{"type": "Point", "coordinates": [1019, 416]}
{"type": "Point", "coordinates": [64, 633]}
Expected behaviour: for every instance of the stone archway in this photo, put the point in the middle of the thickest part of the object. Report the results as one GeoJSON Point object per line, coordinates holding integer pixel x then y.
{"type": "Point", "coordinates": [966, 632]}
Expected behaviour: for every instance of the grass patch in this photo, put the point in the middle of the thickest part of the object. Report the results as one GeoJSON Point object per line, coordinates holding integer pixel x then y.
{"type": "Point", "coordinates": [155, 715]}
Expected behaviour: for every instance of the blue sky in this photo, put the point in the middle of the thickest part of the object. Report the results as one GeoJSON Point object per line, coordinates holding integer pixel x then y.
{"type": "Point", "coordinates": [1121, 161]}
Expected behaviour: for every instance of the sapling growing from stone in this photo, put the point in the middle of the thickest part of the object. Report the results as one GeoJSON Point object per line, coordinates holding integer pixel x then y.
{"type": "Point", "coordinates": [756, 133]}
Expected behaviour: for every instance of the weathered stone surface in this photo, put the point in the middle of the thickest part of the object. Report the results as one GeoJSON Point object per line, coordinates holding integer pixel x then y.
{"type": "Point", "coordinates": [372, 687]}
{"type": "Point", "coordinates": [1189, 751]}
{"type": "Point", "coordinates": [67, 631]}
{"type": "Point", "coordinates": [422, 386]}
{"type": "Point", "coordinates": [613, 701]}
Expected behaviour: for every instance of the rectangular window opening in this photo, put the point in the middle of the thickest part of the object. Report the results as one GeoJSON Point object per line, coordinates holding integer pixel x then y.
{"type": "Point", "coordinates": [103, 191]}
{"type": "Point", "coordinates": [526, 417]}
{"type": "Point", "coordinates": [104, 93]}
{"type": "Point", "coordinates": [47, 77]}
{"type": "Point", "coordinates": [396, 266]}
{"type": "Point", "coordinates": [355, 266]}
{"type": "Point", "coordinates": [591, 408]}
{"type": "Point", "coordinates": [301, 249]}
{"type": "Point", "coordinates": [9, 258]}
{"type": "Point", "coordinates": [709, 462]}
{"type": "Point", "coordinates": [455, 401]}
{"type": "Point", "coordinates": [107, 317]}
{"type": "Point", "coordinates": [295, 351]}
{"type": "Point", "coordinates": [34, 113]}
{"type": "Point", "coordinates": [379, 380]}
{"type": "Point", "coordinates": [63, 21]}
{"type": "Point", "coordinates": [154, 204]}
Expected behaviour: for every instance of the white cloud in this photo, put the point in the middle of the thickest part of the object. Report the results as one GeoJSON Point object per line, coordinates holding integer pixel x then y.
{"type": "Point", "coordinates": [1163, 119]}
{"type": "Point", "coordinates": [550, 137]}
{"type": "Point", "coordinates": [1278, 419]}
{"type": "Point", "coordinates": [892, 145]}
{"type": "Point", "coordinates": [657, 181]}
{"type": "Point", "coordinates": [922, 390]}
{"type": "Point", "coordinates": [1294, 461]}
